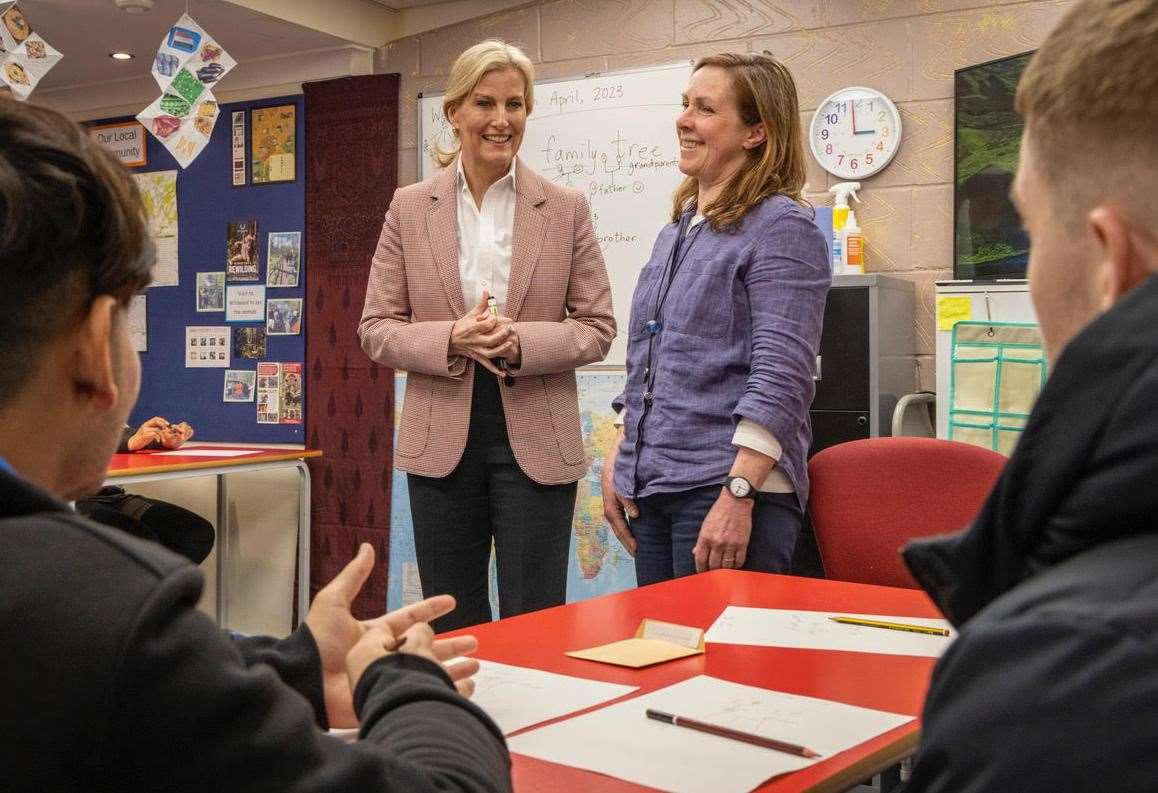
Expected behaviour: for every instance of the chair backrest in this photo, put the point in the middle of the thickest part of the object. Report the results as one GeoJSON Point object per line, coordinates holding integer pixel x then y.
{"type": "Point", "coordinates": [869, 497]}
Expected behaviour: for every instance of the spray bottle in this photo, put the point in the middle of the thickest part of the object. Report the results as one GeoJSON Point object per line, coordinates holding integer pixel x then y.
{"type": "Point", "coordinates": [839, 217]}
{"type": "Point", "coordinates": [853, 246]}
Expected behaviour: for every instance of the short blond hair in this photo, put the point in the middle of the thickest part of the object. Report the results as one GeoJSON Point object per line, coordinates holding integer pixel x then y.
{"type": "Point", "coordinates": [492, 55]}
{"type": "Point", "coordinates": [765, 94]}
{"type": "Point", "coordinates": [1090, 101]}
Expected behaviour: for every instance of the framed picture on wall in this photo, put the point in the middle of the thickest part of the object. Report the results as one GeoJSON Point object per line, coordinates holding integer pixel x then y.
{"type": "Point", "coordinates": [273, 144]}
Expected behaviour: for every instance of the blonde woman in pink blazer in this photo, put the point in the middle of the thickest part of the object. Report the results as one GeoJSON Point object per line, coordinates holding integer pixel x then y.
{"type": "Point", "coordinates": [488, 288]}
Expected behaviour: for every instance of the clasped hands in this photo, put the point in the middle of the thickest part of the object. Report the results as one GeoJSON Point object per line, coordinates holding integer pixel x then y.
{"type": "Point", "coordinates": [480, 336]}
{"type": "Point", "coordinates": [159, 430]}
{"type": "Point", "coordinates": [347, 645]}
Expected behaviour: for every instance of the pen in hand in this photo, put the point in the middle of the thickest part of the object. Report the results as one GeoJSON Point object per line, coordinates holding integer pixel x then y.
{"type": "Point", "coordinates": [508, 380]}
{"type": "Point", "coordinates": [735, 735]}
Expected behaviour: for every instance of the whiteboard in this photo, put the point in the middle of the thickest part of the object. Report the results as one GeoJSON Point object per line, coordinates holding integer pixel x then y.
{"type": "Point", "coordinates": [613, 137]}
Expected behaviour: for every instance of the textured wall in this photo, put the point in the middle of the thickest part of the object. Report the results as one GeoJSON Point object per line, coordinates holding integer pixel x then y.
{"type": "Point", "coordinates": [906, 48]}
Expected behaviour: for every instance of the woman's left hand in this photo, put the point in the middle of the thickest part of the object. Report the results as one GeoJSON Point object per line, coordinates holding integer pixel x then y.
{"type": "Point", "coordinates": [724, 535]}
{"type": "Point", "coordinates": [508, 348]}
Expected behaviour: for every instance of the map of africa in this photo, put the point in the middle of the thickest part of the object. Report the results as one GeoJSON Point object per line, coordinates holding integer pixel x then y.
{"type": "Point", "coordinates": [598, 563]}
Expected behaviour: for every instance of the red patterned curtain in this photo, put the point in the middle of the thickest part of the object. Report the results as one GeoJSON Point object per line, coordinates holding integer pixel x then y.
{"type": "Point", "coordinates": [351, 173]}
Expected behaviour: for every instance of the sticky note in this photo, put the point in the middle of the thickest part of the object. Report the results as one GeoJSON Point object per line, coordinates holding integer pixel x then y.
{"type": "Point", "coordinates": [952, 309]}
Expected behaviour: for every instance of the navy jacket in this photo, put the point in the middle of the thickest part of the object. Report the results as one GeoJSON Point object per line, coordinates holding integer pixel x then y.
{"type": "Point", "coordinates": [1053, 682]}
{"type": "Point", "coordinates": [113, 681]}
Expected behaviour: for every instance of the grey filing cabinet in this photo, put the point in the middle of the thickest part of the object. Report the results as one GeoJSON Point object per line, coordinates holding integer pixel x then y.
{"type": "Point", "coordinates": [866, 358]}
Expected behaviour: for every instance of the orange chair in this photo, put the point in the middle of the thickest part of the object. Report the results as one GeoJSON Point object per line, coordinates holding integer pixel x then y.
{"type": "Point", "coordinates": [870, 496]}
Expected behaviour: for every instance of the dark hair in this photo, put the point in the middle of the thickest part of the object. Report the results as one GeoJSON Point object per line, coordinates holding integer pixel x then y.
{"type": "Point", "coordinates": [71, 228]}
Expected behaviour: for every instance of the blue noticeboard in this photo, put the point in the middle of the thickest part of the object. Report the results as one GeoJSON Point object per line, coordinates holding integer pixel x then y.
{"type": "Point", "coordinates": [206, 203]}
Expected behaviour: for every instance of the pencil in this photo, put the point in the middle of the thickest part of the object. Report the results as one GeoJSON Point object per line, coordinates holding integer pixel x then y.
{"type": "Point", "coordinates": [735, 735]}
{"type": "Point", "coordinates": [892, 626]}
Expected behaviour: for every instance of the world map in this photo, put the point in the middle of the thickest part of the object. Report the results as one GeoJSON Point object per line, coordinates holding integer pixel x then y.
{"type": "Point", "coordinates": [598, 563]}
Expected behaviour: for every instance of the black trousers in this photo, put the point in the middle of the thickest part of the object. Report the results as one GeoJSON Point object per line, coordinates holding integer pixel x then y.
{"type": "Point", "coordinates": [178, 529]}
{"type": "Point", "coordinates": [487, 498]}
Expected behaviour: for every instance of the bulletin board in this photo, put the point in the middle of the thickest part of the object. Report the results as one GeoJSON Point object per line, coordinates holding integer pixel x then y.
{"type": "Point", "coordinates": [207, 202]}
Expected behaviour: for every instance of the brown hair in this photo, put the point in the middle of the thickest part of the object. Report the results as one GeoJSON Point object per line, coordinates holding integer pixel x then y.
{"type": "Point", "coordinates": [1090, 101]}
{"type": "Point", "coordinates": [475, 63]}
{"type": "Point", "coordinates": [765, 94]}
{"type": "Point", "coordinates": [71, 229]}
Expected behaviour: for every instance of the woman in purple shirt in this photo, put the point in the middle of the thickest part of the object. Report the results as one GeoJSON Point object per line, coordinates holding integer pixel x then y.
{"type": "Point", "coordinates": [709, 467]}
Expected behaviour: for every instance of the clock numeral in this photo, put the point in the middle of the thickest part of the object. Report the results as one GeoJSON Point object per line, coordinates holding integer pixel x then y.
{"type": "Point", "coordinates": [824, 134]}
{"type": "Point", "coordinates": [884, 132]}
{"type": "Point", "coordinates": [840, 159]}
{"type": "Point", "coordinates": [881, 146]}
{"type": "Point", "coordinates": [852, 163]}
{"type": "Point", "coordinates": [868, 160]}
{"type": "Point", "coordinates": [881, 116]}
{"type": "Point", "coordinates": [828, 148]}
{"type": "Point", "coordinates": [831, 118]}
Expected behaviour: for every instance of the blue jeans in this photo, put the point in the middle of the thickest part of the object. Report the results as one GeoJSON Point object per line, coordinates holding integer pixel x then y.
{"type": "Point", "coordinates": [669, 525]}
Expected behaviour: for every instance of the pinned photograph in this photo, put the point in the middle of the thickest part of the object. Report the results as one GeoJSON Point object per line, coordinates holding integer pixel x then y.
{"type": "Point", "coordinates": [290, 397]}
{"type": "Point", "coordinates": [273, 144]}
{"type": "Point", "coordinates": [283, 316]}
{"type": "Point", "coordinates": [249, 342]}
{"type": "Point", "coordinates": [283, 259]}
{"type": "Point", "coordinates": [211, 291]}
{"type": "Point", "coordinates": [268, 390]}
{"type": "Point", "coordinates": [240, 385]}
{"type": "Point", "coordinates": [207, 346]}
{"type": "Point", "coordinates": [241, 251]}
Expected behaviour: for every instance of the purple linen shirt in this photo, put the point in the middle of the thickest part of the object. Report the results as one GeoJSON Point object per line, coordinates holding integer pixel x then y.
{"type": "Point", "coordinates": [740, 332]}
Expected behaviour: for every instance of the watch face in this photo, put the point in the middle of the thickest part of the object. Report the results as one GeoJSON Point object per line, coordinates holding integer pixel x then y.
{"type": "Point", "coordinates": [739, 487]}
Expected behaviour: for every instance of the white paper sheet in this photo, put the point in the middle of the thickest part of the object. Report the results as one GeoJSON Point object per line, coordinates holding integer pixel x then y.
{"type": "Point", "coordinates": [195, 452]}
{"type": "Point", "coordinates": [517, 697]}
{"type": "Point", "coordinates": [621, 741]}
{"type": "Point", "coordinates": [815, 631]}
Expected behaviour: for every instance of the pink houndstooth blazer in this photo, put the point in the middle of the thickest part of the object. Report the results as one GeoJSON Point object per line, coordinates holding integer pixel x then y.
{"type": "Point", "coordinates": [558, 296]}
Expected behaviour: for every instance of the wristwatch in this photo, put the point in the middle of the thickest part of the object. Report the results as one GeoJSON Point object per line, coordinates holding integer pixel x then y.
{"type": "Point", "coordinates": [740, 487]}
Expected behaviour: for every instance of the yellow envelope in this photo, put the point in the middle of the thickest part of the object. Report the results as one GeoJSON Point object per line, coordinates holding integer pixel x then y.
{"type": "Point", "coordinates": [654, 643]}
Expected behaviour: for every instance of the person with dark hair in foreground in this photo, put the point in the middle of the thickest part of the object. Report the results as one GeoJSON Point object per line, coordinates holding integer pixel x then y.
{"type": "Point", "coordinates": [112, 680]}
{"type": "Point", "coordinates": [1051, 685]}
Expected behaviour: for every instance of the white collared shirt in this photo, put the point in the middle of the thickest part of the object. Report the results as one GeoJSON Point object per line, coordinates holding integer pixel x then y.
{"type": "Point", "coordinates": [484, 238]}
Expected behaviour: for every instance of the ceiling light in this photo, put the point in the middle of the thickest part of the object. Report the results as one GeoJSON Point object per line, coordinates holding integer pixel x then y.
{"type": "Point", "coordinates": [122, 56]}
{"type": "Point", "coordinates": [134, 6]}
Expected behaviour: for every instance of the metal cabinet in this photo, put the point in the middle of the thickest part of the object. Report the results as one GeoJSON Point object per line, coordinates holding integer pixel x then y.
{"type": "Point", "coordinates": [866, 358]}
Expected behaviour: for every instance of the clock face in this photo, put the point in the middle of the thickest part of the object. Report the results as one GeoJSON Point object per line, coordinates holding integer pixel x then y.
{"type": "Point", "coordinates": [855, 132]}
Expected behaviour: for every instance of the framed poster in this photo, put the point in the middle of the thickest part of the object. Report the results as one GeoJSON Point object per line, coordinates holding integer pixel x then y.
{"type": "Point", "coordinates": [273, 144]}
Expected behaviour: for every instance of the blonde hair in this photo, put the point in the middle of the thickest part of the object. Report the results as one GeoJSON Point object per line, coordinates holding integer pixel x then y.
{"type": "Point", "coordinates": [765, 94]}
{"type": "Point", "coordinates": [492, 55]}
{"type": "Point", "coordinates": [1090, 101]}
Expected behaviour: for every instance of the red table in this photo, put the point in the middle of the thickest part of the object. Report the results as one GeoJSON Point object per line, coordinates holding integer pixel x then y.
{"type": "Point", "coordinates": [125, 469]}
{"type": "Point", "coordinates": [885, 682]}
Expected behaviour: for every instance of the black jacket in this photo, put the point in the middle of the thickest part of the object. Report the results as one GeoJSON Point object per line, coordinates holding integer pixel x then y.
{"type": "Point", "coordinates": [1053, 682]}
{"type": "Point", "coordinates": [113, 681]}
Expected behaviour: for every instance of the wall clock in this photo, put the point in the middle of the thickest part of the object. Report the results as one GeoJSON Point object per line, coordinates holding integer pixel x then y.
{"type": "Point", "coordinates": [855, 132]}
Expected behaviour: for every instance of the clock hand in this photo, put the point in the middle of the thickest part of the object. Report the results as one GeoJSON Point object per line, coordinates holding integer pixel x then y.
{"type": "Point", "coordinates": [855, 131]}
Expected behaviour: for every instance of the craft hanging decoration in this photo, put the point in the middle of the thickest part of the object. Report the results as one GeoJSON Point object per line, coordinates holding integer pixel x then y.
{"type": "Point", "coordinates": [188, 63]}
{"type": "Point", "coordinates": [25, 57]}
